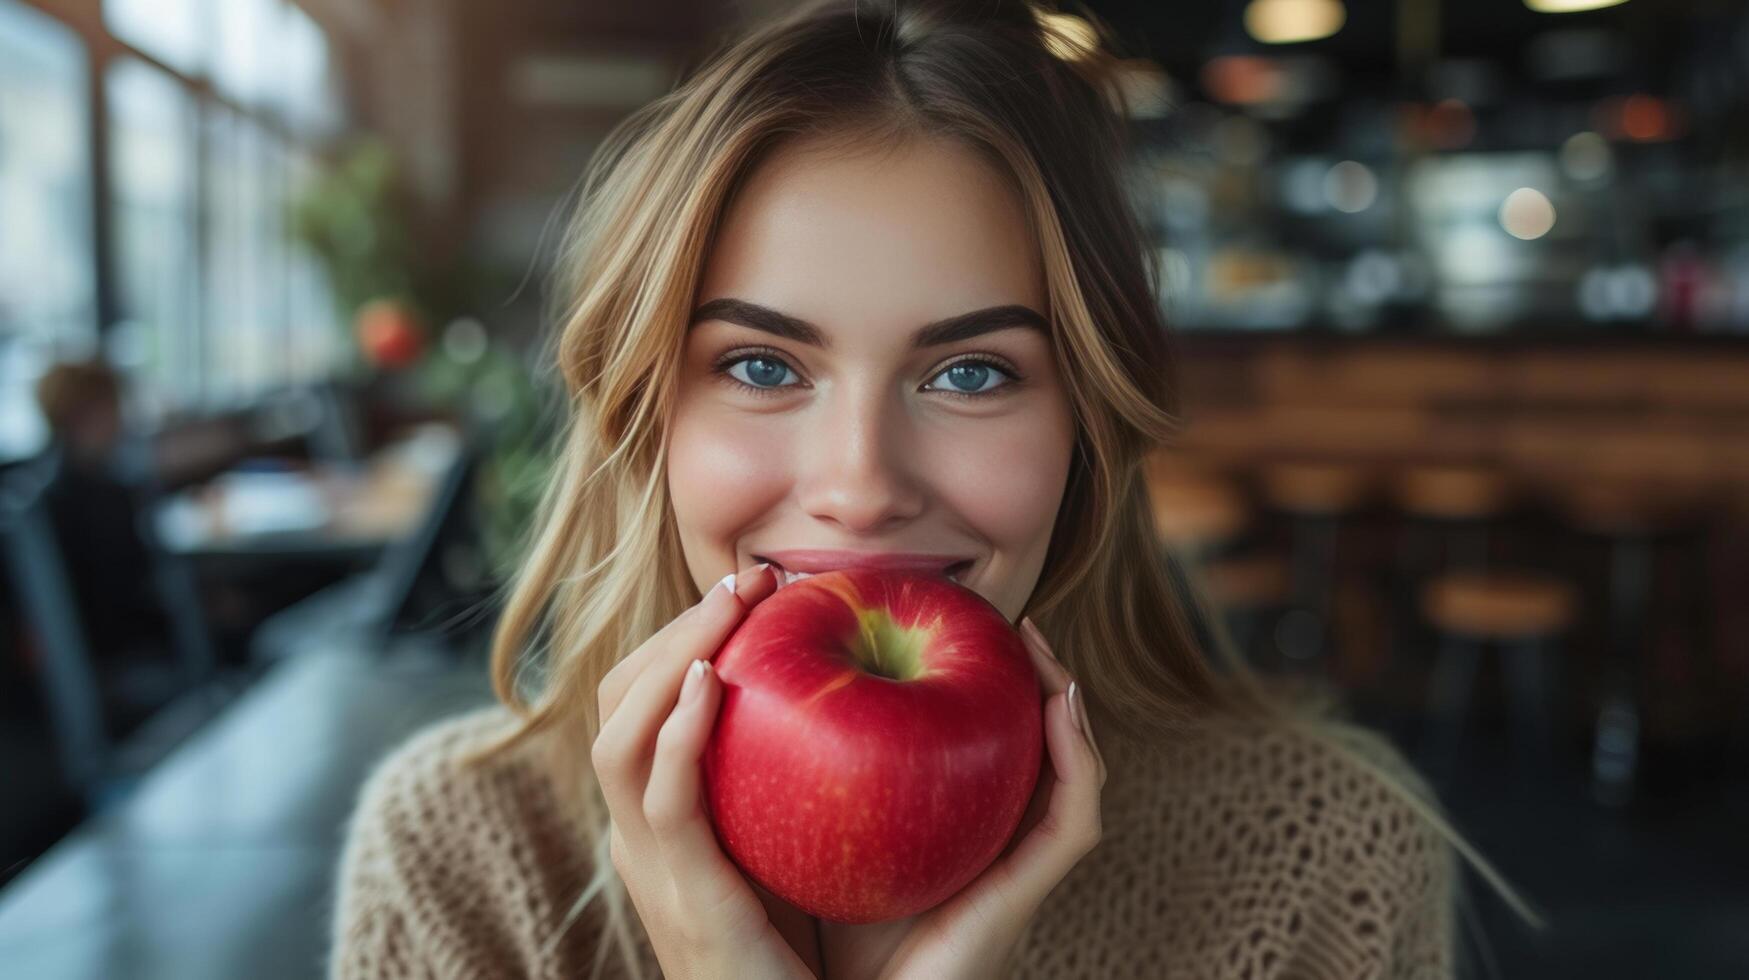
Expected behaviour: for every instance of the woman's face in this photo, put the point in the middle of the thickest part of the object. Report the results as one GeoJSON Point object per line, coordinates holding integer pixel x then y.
{"type": "Point", "coordinates": [820, 409]}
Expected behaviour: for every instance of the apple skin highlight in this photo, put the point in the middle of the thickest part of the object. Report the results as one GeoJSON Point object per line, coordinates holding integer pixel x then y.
{"type": "Point", "coordinates": [879, 738]}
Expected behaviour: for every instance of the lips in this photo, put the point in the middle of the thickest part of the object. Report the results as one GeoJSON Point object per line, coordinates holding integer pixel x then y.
{"type": "Point", "coordinates": [793, 566]}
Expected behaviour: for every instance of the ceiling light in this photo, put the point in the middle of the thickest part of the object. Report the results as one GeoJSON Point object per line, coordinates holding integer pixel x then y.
{"type": "Point", "coordinates": [1569, 6]}
{"type": "Point", "coordinates": [1350, 187]}
{"type": "Point", "coordinates": [1527, 213]}
{"type": "Point", "coordinates": [1293, 21]}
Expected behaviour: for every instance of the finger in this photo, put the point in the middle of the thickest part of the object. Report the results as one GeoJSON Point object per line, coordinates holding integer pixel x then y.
{"type": "Point", "coordinates": [1052, 674]}
{"type": "Point", "coordinates": [1071, 823]}
{"type": "Point", "coordinates": [671, 804]}
{"type": "Point", "coordinates": [1078, 699]}
{"type": "Point", "coordinates": [695, 637]}
{"type": "Point", "coordinates": [1056, 679]}
{"type": "Point", "coordinates": [751, 585]}
{"type": "Point", "coordinates": [621, 753]}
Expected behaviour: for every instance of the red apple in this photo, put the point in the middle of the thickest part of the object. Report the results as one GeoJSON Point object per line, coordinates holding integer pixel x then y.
{"type": "Point", "coordinates": [879, 738]}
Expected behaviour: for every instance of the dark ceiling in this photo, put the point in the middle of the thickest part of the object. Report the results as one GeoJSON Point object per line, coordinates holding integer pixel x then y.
{"type": "Point", "coordinates": [1181, 36]}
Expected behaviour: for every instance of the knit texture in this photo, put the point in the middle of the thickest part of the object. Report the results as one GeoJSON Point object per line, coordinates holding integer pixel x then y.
{"type": "Point", "coordinates": [1244, 852]}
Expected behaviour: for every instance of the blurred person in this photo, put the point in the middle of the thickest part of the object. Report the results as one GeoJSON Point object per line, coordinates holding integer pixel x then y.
{"type": "Point", "coordinates": [750, 264]}
{"type": "Point", "coordinates": [96, 512]}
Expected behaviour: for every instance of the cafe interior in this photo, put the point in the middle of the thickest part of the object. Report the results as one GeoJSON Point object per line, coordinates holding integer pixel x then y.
{"type": "Point", "coordinates": [1459, 294]}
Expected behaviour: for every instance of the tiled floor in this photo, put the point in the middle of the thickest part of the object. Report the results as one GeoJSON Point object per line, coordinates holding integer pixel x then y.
{"type": "Point", "coordinates": [1660, 889]}
{"type": "Point", "coordinates": [220, 864]}
{"type": "Point", "coordinates": [1655, 888]}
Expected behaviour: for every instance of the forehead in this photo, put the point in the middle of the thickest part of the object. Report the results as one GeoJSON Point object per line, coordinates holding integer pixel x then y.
{"type": "Point", "coordinates": [864, 240]}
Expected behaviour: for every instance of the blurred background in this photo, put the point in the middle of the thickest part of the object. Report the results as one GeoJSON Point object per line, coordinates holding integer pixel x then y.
{"type": "Point", "coordinates": [1461, 293]}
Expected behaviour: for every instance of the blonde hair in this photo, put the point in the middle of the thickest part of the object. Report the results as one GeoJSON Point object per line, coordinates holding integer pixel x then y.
{"type": "Point", "coordinates": [605, 570]}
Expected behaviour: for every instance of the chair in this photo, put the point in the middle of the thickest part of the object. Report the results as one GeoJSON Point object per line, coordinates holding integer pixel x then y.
{"type": "Point", "coordinates": [68, 677]}
{"type": "Point", "coordinates": [340, 434]}
{"type": "Point", "coordinates": [441, 567]}
{"type": "Point", "coordinates": [428, 582]}
{"type": "Point", "coordinates": [91, 705]}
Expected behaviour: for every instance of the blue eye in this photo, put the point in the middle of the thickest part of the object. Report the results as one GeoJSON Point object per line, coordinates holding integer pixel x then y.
{"type": "Point", "coordinates": [761, 373]}
{"type": "Point", "coordinates": [971, 377]}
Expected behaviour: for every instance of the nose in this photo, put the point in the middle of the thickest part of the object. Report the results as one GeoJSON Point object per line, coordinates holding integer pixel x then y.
{"type": "Point", "coordinates": [855, 462]}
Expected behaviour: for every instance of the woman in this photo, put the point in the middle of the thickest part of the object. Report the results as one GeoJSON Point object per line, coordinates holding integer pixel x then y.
{"type": "Point", "coordinates": [868, 282]}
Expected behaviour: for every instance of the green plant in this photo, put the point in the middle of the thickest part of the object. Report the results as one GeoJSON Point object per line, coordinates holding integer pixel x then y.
{"type": "Point", "coordinates": [359, 221]}
{"type": "Point", "coordinates": [354, 218]}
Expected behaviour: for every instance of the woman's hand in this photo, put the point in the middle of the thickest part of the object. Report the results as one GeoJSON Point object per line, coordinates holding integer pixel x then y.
{"type": "Point", "coordinates": [658, 707]}
{"type": "Point", "coordinates": [974, 933]}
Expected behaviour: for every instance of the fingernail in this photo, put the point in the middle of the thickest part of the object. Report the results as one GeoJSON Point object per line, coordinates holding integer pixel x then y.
{"type": "Point", "coordinates": [694, 683]}
{"type": "Point", "coordinates": [1078, 709]}
{"type": "Point", "coordinates": [1081, 714]}
{"type": "Point", "coordinates": [726, 582]}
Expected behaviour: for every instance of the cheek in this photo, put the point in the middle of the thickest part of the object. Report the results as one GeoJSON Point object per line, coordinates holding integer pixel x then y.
{"type": "Point", "coordinates": [1003, 477]}
{"type": "Point", "coordinates": [723, 473]}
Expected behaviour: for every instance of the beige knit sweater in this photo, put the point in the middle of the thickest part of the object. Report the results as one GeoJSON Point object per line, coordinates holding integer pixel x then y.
{"type": "Point", "coordinates": [1240, 853]}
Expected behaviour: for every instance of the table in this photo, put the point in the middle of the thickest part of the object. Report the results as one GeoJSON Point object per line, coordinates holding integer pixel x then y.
{"type": "Point", "coordinates": [325, 510]}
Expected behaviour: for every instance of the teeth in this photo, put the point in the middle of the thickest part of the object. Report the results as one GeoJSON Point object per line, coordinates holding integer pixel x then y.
{"type": "Point", "coordinates": [787, 577]}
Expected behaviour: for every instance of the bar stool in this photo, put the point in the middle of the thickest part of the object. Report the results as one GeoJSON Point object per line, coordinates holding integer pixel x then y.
{"type": "Point", "coordinates": [1199, 514]}
{"type": "Point", "coordinates": [1195, 511]}
{"type": "Point", "coordinates": [1447, 510]}
{"type": "Point", "coordinates": [1316, 497]}
{"type": "Point", "coordinates": [1631, 517]}
{"type": "Point", "coordinates": [1521, 612]}
{"type": "Point", "coordinates": [1463, 496]}
{"type": "Point", "coordinates": [1444, 510]}
{"type": "Point", "coordinates": [1248, 589]}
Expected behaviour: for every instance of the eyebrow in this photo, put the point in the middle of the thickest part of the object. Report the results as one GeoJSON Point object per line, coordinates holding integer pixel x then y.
{"type": "Point", "coordinates": [955, 328]}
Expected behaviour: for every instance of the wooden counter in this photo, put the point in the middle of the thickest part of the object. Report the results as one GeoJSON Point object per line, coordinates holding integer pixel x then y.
{"type": "Point", "coordinates": [1672, 420]}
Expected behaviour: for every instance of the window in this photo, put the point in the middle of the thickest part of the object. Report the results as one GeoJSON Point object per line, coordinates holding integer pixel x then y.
{"type": "Point", "coordinates": [245, 271]}
{"type": "Point", "coordinates": [170, 30]}
{"type": "Point", "coordinates": [306, 97]}
{"type": "Point", "coordinates": [154, 154]}
{"type": "Point", "coordinates": [317, 340]}
{"type": "Point", "coordinates": [213, 108]}
{"type": "Point", "coordinates": [47, 279]}
{"type": "Point", "coordinates": [247, 49]}
{"type": "Point", "coordinates": [47, 272]}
